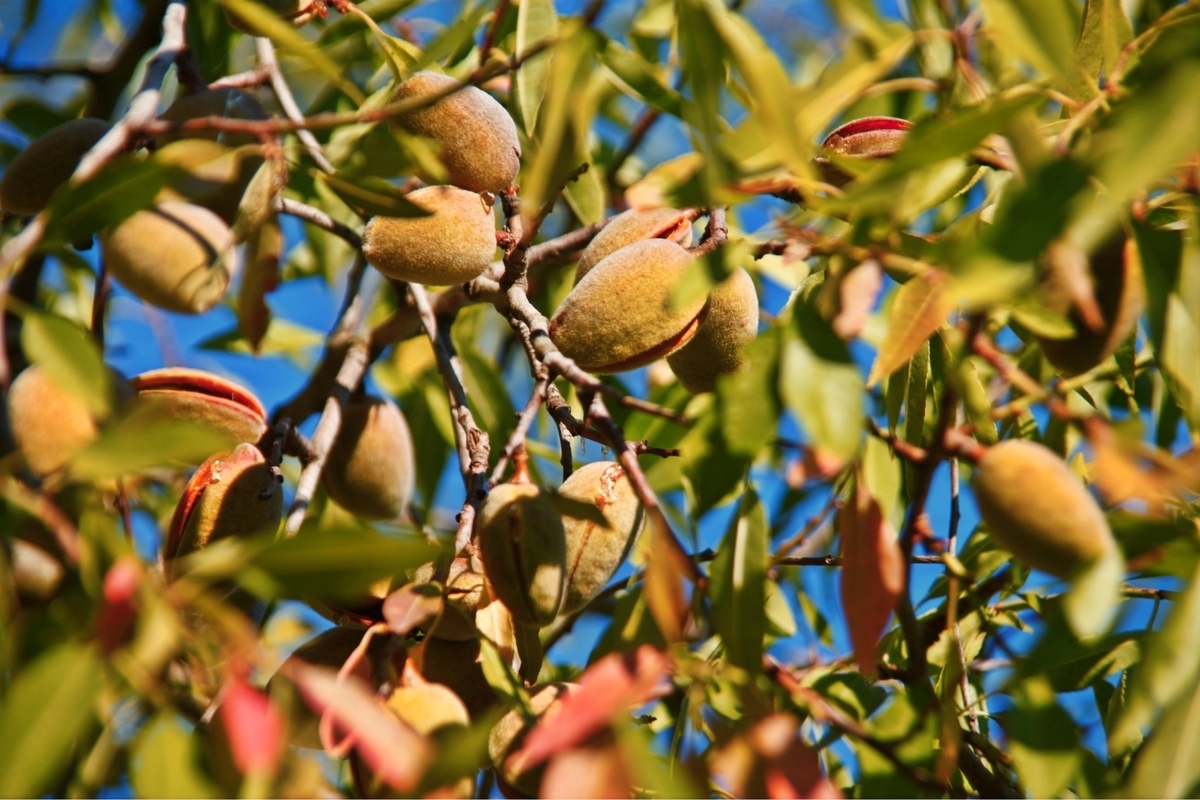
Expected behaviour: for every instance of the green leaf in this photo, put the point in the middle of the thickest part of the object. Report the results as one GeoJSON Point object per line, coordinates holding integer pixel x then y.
{"type": "Point", "coordinates": [736, 585]}
{"type": "Point", "coordinates": [1180, 356]}
{"type": "Point", "coordinates": [1094, 594]}
{"type": "Point", "coordinates": [48, 708]}
{"type": "Point", "coordinates": [768, 83]}
{"type": "Point", "coordinates": [166, 761]}
{"type": "Point", "coordinates": [260, 275]}
{"type": "Point", "coordinates": [1042, 738]}
{"type": "Point", "coordinates": [70, 357]}
{"type": "Point", "coordinates": [1166, 765]}
{"type": "Point", "coordinates": [119, 190]}
{"type": "Point", "coordinates": [1152, 132]}
{"type": "Point", "coordinates": [640, 77]}
{"type": "Point", "coordinates": [370, 195]}
{"type": "Point", "coordinates": [456, 39]}
{"type": "Point", "coordinates": [1106, 30]}
{"type": "Point", "coordinates": [536, 21]}
{"type": "Point", "coordinates": [712, 469]}
{"type": "Point", "coordinates": [630, 625]}
{"type": "Point", "coordinates": [1043, 33]}
{"type": "Point", "coordinates": [1170, 668]}
{"type": "Point", "coordinates": [748, 401]}
{"type": "Point", "coordinates": [821, 385]}
{"type": "Point", "coordinates": [284, 34]}
{"type": "Point", "coordinates": [145, 438]}
{"type": "Point", "coordinates": [340, 564]}
{"type": "Point", "coordinates": [1030, 218]}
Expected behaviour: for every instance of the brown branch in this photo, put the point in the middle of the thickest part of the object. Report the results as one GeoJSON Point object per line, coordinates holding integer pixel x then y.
{"type": "Point", "coordinates": [322, 220]}
{"type": "Point", "coordinates": [100, 292]}
{"type": "Point", "coordinates": [472, 442]}
{"type": "Point", "coordinates": [824, 711]}
{"type": "Point", "coordinates": [38, 504]}
{"type": "Point", "coordinates": [283, 93]}
{"type": "Point", "coordinates": [489, 36]}
{"type": "Point", "coordinates": [715, 233]}
{"type": "Point", "coordinates": [524, 420]}
{"type": "Point", "coordinates": [811, 525]}
{"type": "Point", "coordinates": [349, 376]}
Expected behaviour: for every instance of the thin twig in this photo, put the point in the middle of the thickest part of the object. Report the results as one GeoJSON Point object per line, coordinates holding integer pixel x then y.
{"type": "Point", "coordinates": [283, 93]}
{"type": "Point", "coordinates": [322, 220]}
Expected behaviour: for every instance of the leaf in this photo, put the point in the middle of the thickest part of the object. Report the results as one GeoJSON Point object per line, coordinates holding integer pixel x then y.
{"type": "Point", "coordinates": [1043, 33]}
{"type": "Point", "coordinates": [254, 727]}
{"type": "Point", "coordinates": [873, 572]}
{"type": "Point", "coordinates": [768, 83]}
{"type": "Point", "coordinates": [610, 687]}
{"type": "Point", "coordinates": [1166, 765]}
{"type": "Point", "coordinates": [260, 275]}
{"type": "Point", "coordinates": [536, 21]}
{"type": "Point", "coordinates": [166, 761]}
{"type": "Point", "coordinates": [1029, 219]}
{"type": "Point", "coordinates": [821, 385]}
{"type": "Point", "coordinates": [1170, 668]}
{"type": "Point", "coordinates": [736, 585]}
{"type": "Point", "coordinates": [340, 564]}
{"type": "Point", "coordinates": [456, 39]}
{"type": "Point", "coordinates": [920, 308]}
{"type": "Point", "coordinates": [1106, 30]}
{"type": "Point", "coordinates": [144, 438]}
{"type": "Point", "coordinates": [267, 23]}
{"type": "Point", "coordinates": [371, 195]}
{"type": "Point", "coordinates": [48, 708]}
{"type": "Point", "coordinates": [411, 606]}
{"type": "Point", "coordinates": [121, 189]}
{"type": "Point", "coordinates": [748, 401]}
{"type": "Point", "coordinates": [639, 77]}
{"type": "Point", "coordinates": [70, 357]}
{"type": "Point", "coordinates": [1094, 595]}
{"type": "Point", "coordinates": [1043, 740]}
{"type": "Point", "coordinates": [666, 564]}
{"type": "Point", "coordinates": [394, 752]}
{"type": "Point", "coordinates": [1180, 356]}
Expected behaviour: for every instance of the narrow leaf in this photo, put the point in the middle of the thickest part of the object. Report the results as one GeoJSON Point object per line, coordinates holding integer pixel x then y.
{"type": "Point", "coordinates": [920, 308]}
{"type": "Point", "coordinates": [536, 21]}
{"type": "Point", "coordinates": [737, 584]}
{"type": "Point", "coordinates": [873, 572]}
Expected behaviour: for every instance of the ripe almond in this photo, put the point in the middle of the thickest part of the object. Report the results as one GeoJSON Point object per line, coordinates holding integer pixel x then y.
{"type": "Point", "coordinates": [716, 349]}
{"type": "Point", "coordinates": [478, 139]}
{"type": "Point", "coordinates": [620, 316]}
{"type": "Point", "coordinates": [371, 469]}
{"type": "Point", "coordinates": [47, 163]}
{"type": "Point", "coordinates": [522, 545]}
{"type": "Point", "coordinates": [231, 494]}
{"type": "Point", "coordinates": [596, 550]}
{"type": "Point", "coordinates": [205, 399]}
{"type": "Point", "coordinates": [634, 226]}
{"type": "Point", "coordinates": [1036, 508]}
{"type": "Point", "coordinates": [452, 245]}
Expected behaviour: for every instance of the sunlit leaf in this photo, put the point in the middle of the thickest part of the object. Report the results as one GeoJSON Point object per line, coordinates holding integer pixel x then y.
{"type": "Point", "coordinates": [48, 708]}
{"type": "Point", "coordinates": [536, 21]}
{"type": "Point", "coordinates": [736, 585]}
{"type": "Point", "coordinates": [921, 307]}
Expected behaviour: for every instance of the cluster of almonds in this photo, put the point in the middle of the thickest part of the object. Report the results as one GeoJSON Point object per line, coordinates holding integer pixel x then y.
{"type": "Point", "coordinates": [179, 254]}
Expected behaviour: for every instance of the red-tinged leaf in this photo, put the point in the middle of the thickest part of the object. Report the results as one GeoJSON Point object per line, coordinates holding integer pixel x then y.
{"type": "Point", "coordinates": [254, 727]}
{"type": "Point", "coordinates": [589, 772]}
{"type": "Point", "coordinates": [393, 751]}
{"type": "Point", "coordinates": [119, 609]}
{"type": "Point", "coordinates": [264, 251]}
{"type": "Point", "coordinates": [873, 572]}
{"type": "Point", "coordinates": [792, 768]}
{"type": "Point", "coordinates": [663, 584]}
{"type": "Point", "coordinates": [856, 294]}
{"type": "Point", "coordinates": [920, 308]}
{"type": "Point", "coordinates": [609, 688]}
{"type": "Point", "coordinates": [411, 606]}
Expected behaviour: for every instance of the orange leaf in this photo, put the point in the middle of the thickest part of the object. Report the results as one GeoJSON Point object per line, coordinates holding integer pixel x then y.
{"type": "Point", "coordinates": [589, 772]}
{"type": "Point", "coordinates": [608, 688]}
{"type": "Point", "coordinates": [873, 572]}
{"type": "Point", "coordinates": [395, 752]}
{"type": "Point", "coordinates": [666, 564]}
